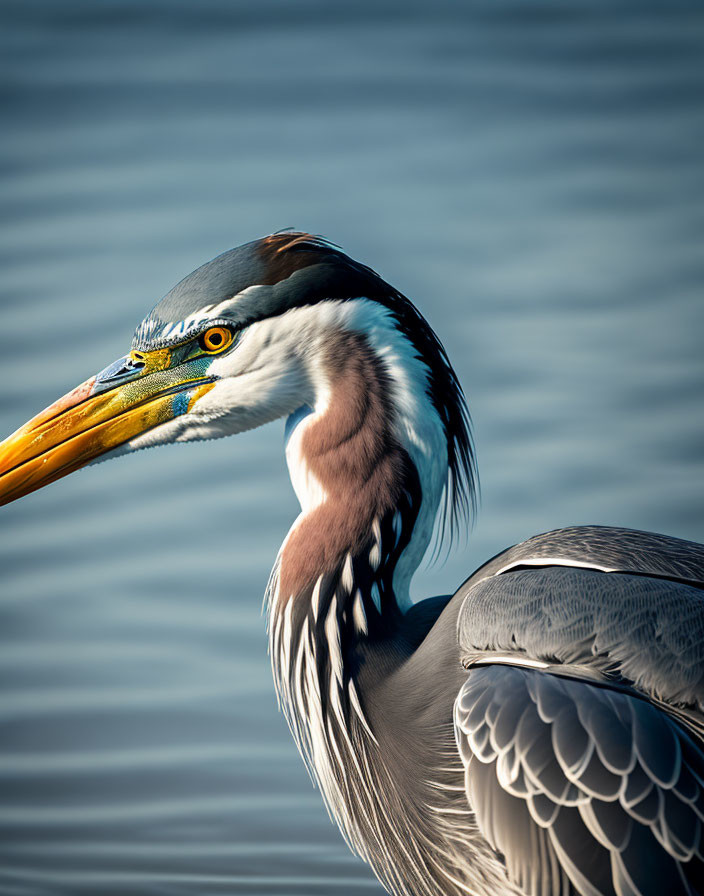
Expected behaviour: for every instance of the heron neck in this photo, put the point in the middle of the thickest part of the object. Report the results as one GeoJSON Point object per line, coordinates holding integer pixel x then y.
{"type": "Point", "coordinates": [368, 495]}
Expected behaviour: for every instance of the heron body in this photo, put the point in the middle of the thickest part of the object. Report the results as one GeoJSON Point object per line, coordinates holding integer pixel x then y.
{"type": "Point", "coordinates": [539, 732]}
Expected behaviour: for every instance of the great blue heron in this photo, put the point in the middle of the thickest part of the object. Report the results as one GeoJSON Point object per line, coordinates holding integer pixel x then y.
{"type": "Point", "coordinates": [541, 731]}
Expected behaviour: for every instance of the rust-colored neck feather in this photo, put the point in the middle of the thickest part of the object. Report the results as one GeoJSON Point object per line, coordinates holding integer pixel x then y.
{"type": "Point", "coordinates": [350, 449]}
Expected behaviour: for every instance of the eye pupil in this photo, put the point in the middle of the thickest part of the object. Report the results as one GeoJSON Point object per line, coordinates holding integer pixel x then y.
{"type": "Point", "coordinates": [216, 339]}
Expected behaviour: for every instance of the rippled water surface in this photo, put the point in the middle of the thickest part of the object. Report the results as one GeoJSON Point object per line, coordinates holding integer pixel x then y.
{"type": "Point", "coordinates": [531, 174]}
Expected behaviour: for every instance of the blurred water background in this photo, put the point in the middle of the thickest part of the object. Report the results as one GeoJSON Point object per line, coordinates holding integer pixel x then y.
{"type": "Point", "coordinates": [531, 174]}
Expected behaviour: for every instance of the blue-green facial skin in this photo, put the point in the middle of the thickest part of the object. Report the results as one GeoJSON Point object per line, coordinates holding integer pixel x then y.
{"type": "Point", "coordinates": [198, 367]}
{"type": "Point", "coordinates": [178, 369]}
{"type": "Point", "coordinates": [141, 379]}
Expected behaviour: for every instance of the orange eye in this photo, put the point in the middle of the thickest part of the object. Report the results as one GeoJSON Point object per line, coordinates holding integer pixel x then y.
{"type": "Point", "coordinates": [216, 339]}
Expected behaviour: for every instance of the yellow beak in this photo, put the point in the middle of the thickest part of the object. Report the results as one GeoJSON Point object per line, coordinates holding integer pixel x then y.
{"type": "Point", "coordinates": [133, 395]}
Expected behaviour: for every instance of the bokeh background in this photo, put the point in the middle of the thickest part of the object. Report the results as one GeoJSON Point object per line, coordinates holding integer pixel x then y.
{"type": "Point", "coordinates": [531, 174]}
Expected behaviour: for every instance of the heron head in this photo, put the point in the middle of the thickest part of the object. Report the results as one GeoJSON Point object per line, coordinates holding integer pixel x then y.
{"type": "Point", "coordinates": [236, 344]}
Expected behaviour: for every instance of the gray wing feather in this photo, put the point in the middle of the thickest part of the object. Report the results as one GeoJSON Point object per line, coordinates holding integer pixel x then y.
{"type": "Point", "coordinates": [583, 789]}
{"type": "Point", "coordinates": [605, 548]}
{"type": "Point", "coordinates": [648, 631]}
